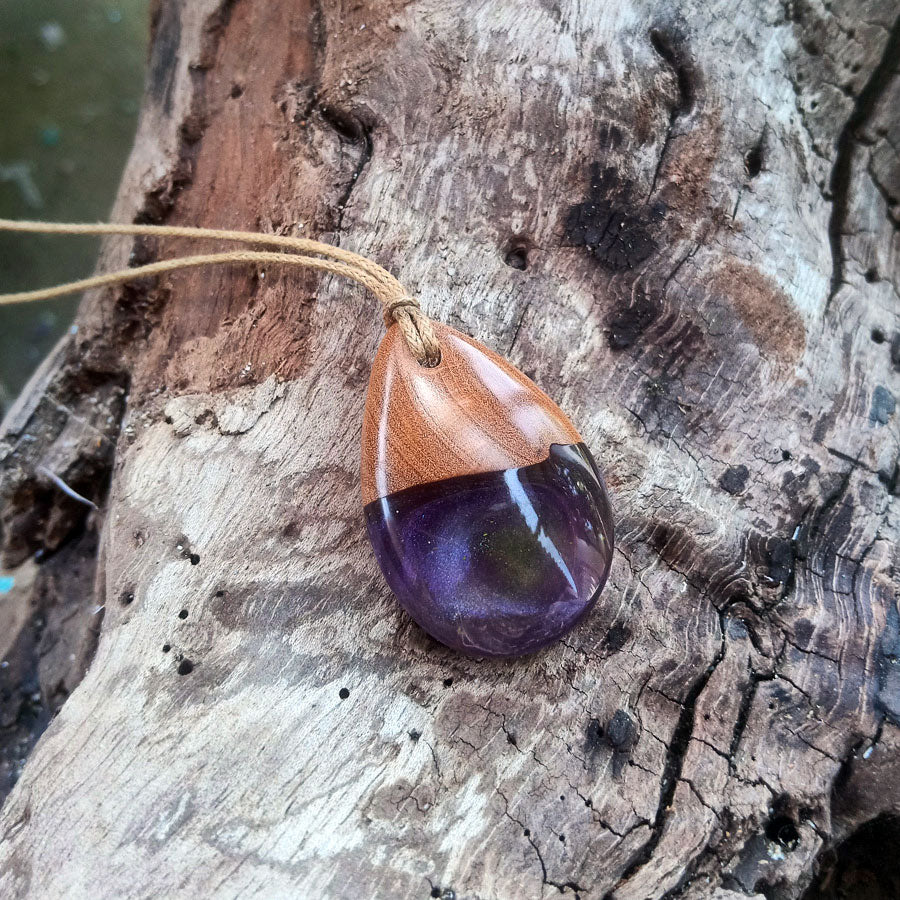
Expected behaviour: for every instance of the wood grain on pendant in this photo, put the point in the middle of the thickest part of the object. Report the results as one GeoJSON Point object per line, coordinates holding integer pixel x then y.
{"type": "Point", "coordinates": [472, 413]}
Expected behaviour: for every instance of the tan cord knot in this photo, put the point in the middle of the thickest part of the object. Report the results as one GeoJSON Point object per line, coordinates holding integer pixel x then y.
{"type": "Point", "coordinates": [418, 332]}
{"type": "Point", "coordinates": [415, 327]}
{"type": "Point", "coordinates": [399, 307]}
{"type": "Point", "coordinates": [389, 308]}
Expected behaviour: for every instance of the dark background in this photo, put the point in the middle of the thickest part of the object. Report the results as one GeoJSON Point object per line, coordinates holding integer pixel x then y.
{"type": "Point", "coordinates": [71, 74]}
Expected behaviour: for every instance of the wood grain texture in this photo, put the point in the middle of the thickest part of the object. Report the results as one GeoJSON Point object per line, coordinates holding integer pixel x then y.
{"type": "Point", "coordinates": [472, 413]}
{"type": "Point", "coordinates": [680, 220]}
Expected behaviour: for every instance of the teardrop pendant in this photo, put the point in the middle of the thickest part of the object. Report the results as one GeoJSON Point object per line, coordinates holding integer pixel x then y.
{"type": "Point", "coordinates": [486, 512]}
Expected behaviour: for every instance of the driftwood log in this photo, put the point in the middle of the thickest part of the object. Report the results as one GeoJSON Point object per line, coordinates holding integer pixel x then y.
{"type": "Point", "coordinates": [681, 219]}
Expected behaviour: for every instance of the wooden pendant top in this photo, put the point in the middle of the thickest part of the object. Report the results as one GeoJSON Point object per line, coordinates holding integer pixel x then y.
{"type": "Point", "coordinates": [472, 413]}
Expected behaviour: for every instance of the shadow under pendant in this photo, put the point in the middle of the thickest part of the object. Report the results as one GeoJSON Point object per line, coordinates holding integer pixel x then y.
{"type": "Point", "coordinates": [486, 512]}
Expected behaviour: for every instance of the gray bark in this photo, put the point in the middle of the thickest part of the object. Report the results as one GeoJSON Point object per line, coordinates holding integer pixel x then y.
{"type": "Point", "coordinates": [681, 221]}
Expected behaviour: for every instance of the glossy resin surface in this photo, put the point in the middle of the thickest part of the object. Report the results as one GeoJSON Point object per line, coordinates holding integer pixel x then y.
{"type": "Point", "coordinates": [475, 412]}
{"type": "Point", "coordinates": [499, 563]}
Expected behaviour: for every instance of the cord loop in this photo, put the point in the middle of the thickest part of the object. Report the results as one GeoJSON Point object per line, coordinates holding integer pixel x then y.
{"type": "Point", "coordinates": [399, 307]}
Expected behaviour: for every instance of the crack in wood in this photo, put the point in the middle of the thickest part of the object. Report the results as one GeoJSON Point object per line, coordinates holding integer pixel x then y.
{"type": "Point", "coordinates": [355, 131]}
{"type": "Point", "coordinates": [675, 755]}
{"type": "Point", "coordinates": [842, 170]}
{"type": "Point", "coordinates": [671, 49]}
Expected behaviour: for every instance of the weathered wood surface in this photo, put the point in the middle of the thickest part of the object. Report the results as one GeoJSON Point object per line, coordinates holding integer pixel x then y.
{"type": "Point", "coordinates": [681, 221]}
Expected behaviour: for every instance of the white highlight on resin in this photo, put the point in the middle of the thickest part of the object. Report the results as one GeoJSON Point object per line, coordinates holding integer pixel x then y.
{"type": "Point", "coordinates": [526, 507]}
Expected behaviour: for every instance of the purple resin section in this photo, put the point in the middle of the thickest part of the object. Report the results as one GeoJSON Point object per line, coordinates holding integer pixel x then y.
{"type": "Point", "coordinates": [502, 563]}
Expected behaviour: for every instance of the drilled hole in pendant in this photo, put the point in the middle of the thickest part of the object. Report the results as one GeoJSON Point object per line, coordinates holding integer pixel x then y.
{"type": "Point", "coordinates": [432, 365]}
